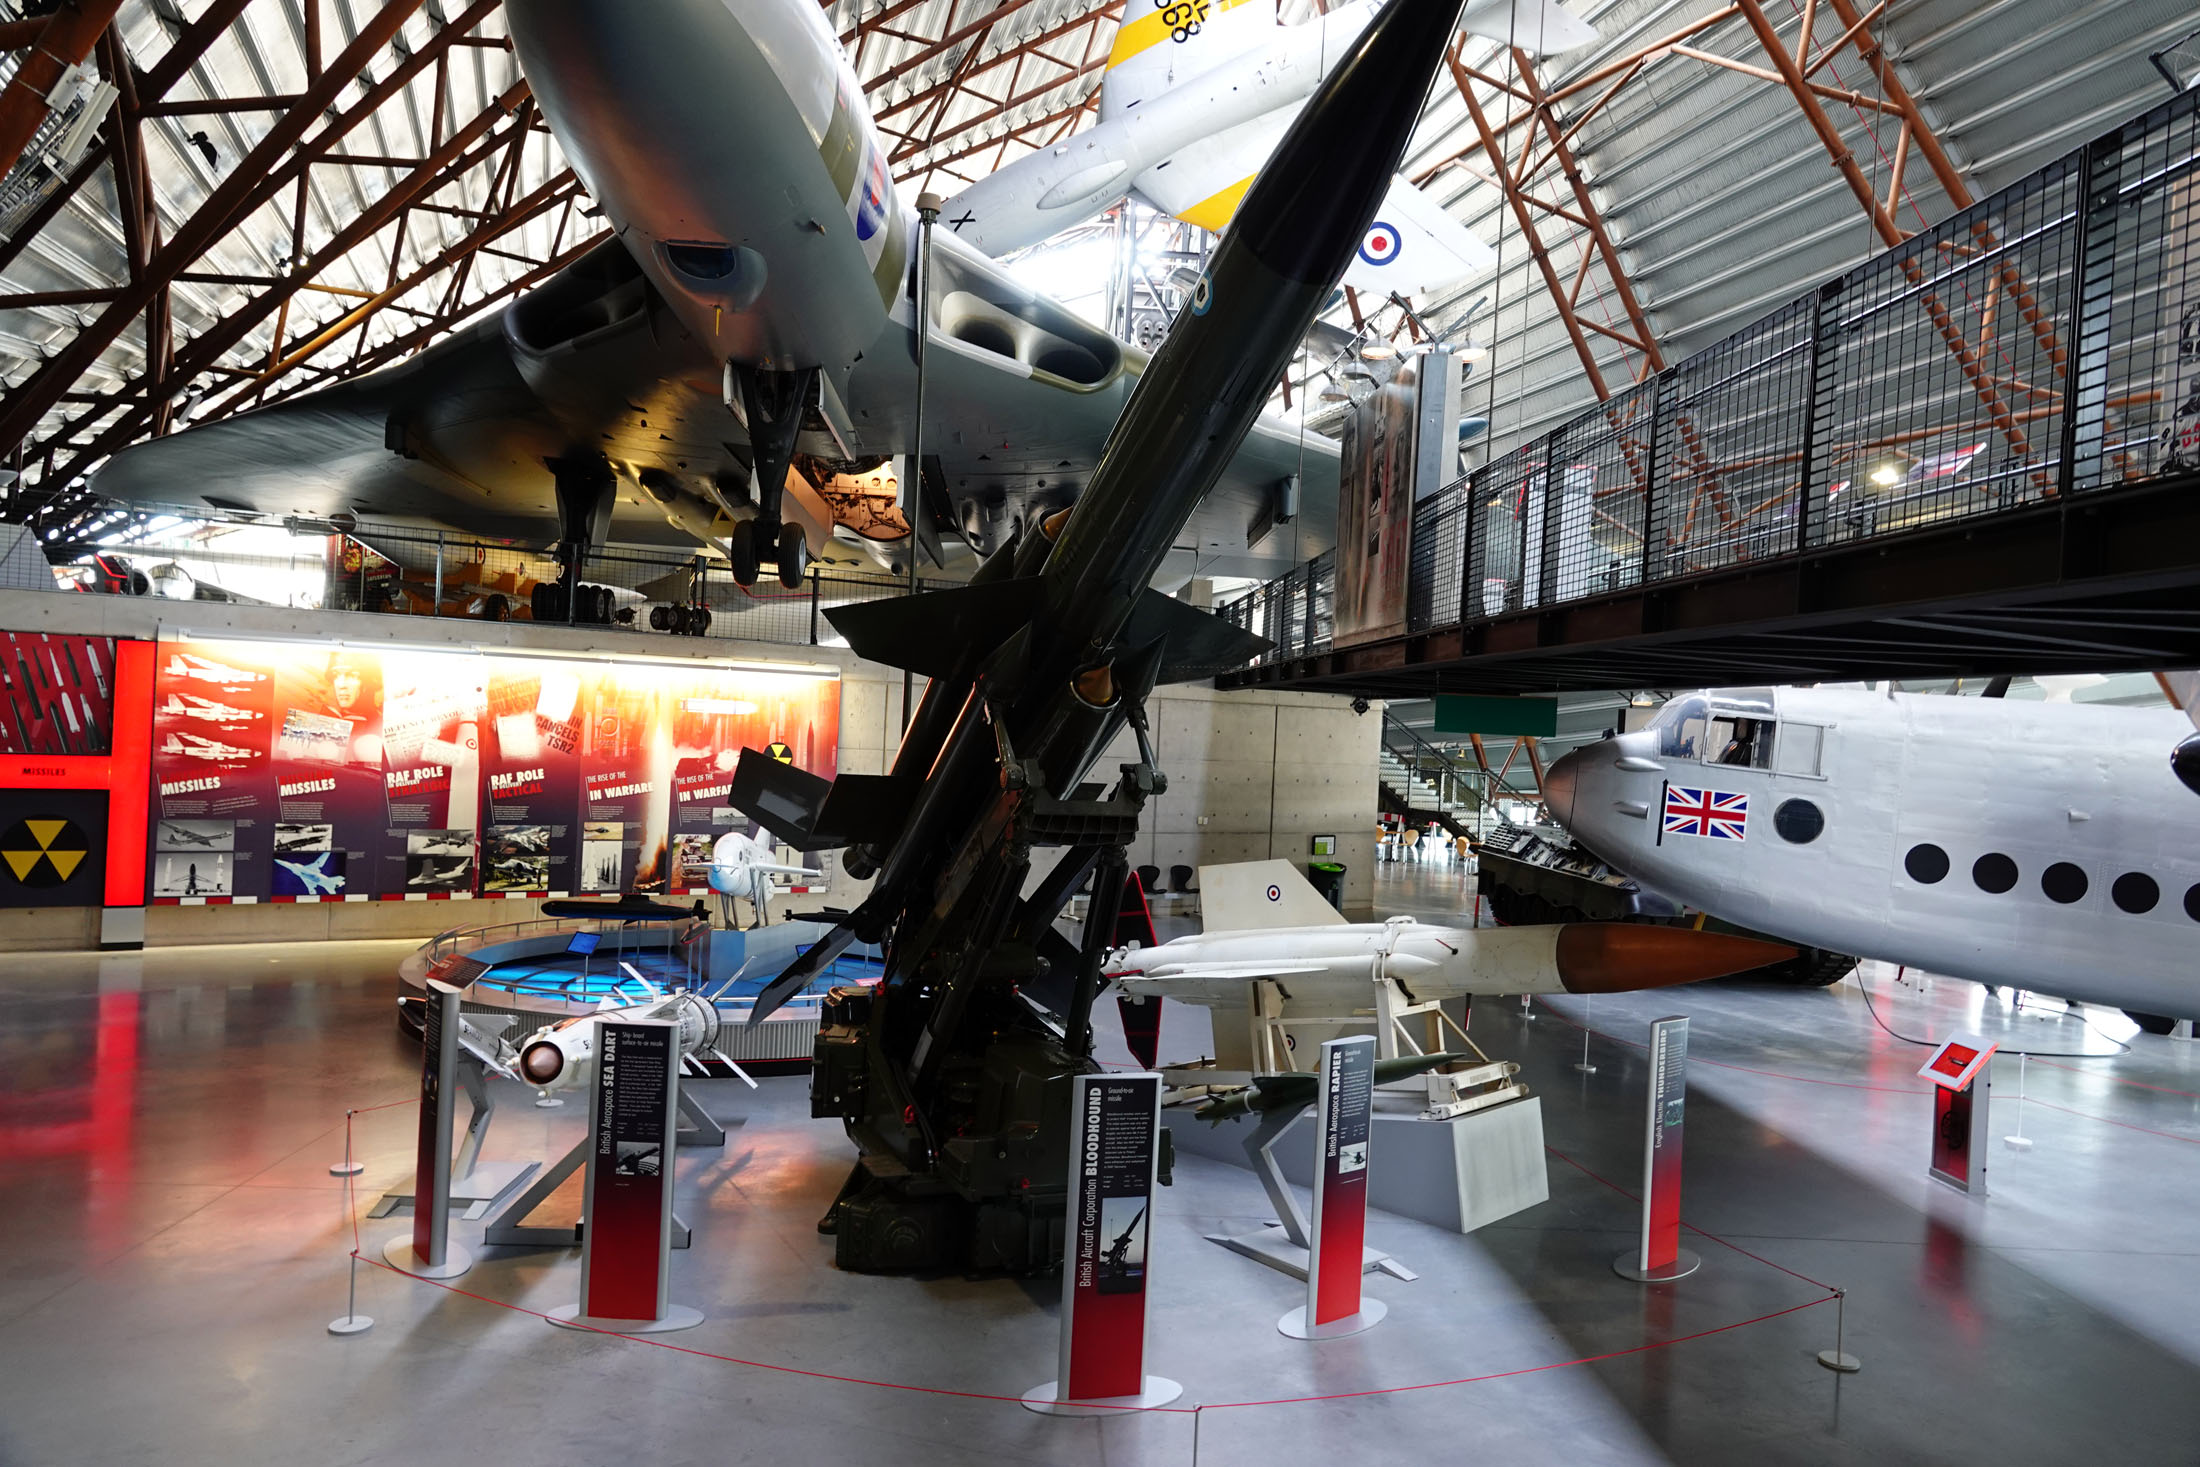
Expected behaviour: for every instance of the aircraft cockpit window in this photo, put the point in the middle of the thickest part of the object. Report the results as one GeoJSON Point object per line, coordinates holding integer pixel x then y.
{"type": "Point", "coordinates": [1743, 702]}
{"type": "Point", "coordinates": [1682, 727]}
{"type": "Point", "coordinates": [702, 261]}
{"type": "Point", "coordinates": [1800, 750]}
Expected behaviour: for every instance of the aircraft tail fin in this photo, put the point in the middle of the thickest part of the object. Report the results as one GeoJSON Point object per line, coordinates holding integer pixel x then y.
{"type": "Point", "coordinates": [1159, 43]}
{"type": "Point", "coordinates": [1254, 895]}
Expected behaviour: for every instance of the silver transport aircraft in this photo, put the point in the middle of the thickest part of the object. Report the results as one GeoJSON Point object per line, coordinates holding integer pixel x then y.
{"type": "Point", "coordinates": [737, 365]}
{"type": "Point", "coordinates": [2046, 846]}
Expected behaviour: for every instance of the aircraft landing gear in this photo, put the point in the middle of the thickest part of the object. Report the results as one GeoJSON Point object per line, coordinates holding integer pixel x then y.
{"type": "Point", "coordinates": [794, 556]}
{"type": "Point", "coordinates": [586, 488]}
{"type": "Point", "coordinates": [773, 404]}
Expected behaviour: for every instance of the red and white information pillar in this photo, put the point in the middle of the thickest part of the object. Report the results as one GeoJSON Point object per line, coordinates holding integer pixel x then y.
{"type": "Point", "coordinates": [1115, 1135]}
{"type": "Point", "coordinates": [1660, 1257]}
{"type": "Point", "coordinates": [1344, 1122]}
{"type": "Point", "coordinates": [626, 1243]}
{"type": "Point", "coordinates": [428, 1250]}
{"type": "Point", "coordinates": [1962, 1089]}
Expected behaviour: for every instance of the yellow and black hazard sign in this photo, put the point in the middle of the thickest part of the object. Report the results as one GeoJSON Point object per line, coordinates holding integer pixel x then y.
{"type": "Point", "coordinates": [780, 750]}
{"type": "Point", "coordinates": [41, 852]}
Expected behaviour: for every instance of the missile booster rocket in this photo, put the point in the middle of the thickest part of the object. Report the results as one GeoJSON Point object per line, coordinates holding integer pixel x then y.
{"type": "Point", "coordinates": [952, 1073]}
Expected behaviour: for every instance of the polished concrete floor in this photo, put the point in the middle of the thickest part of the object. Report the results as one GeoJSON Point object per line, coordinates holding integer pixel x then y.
{"type": "Point", "coordinates": [172, 1247]}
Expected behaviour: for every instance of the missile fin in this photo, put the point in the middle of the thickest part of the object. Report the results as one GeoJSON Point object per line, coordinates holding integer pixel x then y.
{"type": "Point", "coordinates": [1199, 644]}
{"type": "Point", "coordinates": [783, 799]}
{"type": "Point", "coordinates": [928, 633]}
{"type": "Point", "coordinates": [864, 808]}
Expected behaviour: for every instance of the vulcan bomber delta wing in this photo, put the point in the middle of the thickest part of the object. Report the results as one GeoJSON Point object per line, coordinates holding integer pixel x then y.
{"type": "Point", "coordinates": [733, 370]}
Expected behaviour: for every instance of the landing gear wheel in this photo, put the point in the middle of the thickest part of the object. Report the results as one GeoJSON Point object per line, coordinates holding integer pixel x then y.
{"type": "Point", "coordinates": [660, 618]}
{"type": "Point", "coordinates": [698, 621]}
{"type": "Point", "coordinates": [794, 557]}
{"type": "Point", "coordinates": [741, 550]}
{"type": "Point", "coordinates": [542, 601]}
{"type": "Point", "coordinates": [496, 608]}
{"type": "Point", "coordinates": [599, 604]}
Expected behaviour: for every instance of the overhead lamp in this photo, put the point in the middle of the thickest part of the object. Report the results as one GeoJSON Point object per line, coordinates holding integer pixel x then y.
{"type": "Point", "coordinates": [1377, 351]}
{"type": "Point", "coordinates": [1888, 474]}
{"type": "Point", "coordinates": [1473, 351]}
{"type": "Point", "coordinates": [1334, 393]}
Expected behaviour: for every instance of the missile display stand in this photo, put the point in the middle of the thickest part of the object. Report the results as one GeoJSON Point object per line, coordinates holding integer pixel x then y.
{"type": "Point", "coordinates": [1284, 1244]}
{"type": "Point", "coordinates": [476, 1185]}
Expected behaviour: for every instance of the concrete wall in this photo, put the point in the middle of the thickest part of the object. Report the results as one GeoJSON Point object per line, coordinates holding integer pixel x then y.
{"type": "Point", "coordinates": [1251, 774]}
{"type": "Point", "coordinates": [1259, 774]}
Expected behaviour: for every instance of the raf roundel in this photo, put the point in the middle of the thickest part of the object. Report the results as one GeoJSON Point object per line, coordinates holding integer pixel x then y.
{"type": "Point", "coordinates": [1381, 245]}
{"type": "Point", "coordinates": [1275, 892]}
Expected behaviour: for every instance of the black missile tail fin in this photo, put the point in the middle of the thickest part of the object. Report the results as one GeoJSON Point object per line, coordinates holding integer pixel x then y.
{"type": "Point", "coordinates": [800, 972]}
{"type": "Point", "coordinates": [1197, 644]}
{"type": "Point", "coordinates": [929, 633]}
{"type": "Point", "coordinates": [781, 798]}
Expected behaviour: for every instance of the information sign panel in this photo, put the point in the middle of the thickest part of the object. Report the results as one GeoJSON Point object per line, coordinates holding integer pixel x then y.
{"type": "Point", "coordinates": [1344, 1119]}
{"type": "Point", "coordinates": [631, 1115]}
{"type": "Point", "coordinates": [1659, 1258]}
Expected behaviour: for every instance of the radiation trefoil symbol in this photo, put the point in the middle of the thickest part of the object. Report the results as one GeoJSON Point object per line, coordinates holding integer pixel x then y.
{"type": "Point", "coordinates": [43, 853]}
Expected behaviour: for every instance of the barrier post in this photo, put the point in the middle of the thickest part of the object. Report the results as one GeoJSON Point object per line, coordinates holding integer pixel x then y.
{"type": "Point", "coordinates": [1115, 1136]}
{"type": "Point", "coordinates": [1660, 1258]}
{"type": "Point", "coordinates": [1344, 1120]}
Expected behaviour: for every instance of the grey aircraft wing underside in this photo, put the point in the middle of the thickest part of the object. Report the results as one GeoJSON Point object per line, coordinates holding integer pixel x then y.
{"type": "Point", "coordinates": [1020, 399]}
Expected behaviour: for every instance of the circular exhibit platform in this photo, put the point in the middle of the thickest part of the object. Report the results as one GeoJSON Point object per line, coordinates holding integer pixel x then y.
{"type": "Point", "coordinates": [538, 972]}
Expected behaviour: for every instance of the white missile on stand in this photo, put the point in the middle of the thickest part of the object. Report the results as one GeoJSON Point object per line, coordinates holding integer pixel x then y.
{"type": "Point", "coordinates": [1191, 109]}
{"type": "Point", "coordinates": [1268, 924]}
{"type": "Point", "coordinates": [562, 1056]}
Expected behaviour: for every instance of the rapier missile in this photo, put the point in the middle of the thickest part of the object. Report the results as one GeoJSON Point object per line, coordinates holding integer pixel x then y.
{"type": "Point", "coordinates": [1265, 922]}
{"type": "Point", "coordinates": [946, 1073]}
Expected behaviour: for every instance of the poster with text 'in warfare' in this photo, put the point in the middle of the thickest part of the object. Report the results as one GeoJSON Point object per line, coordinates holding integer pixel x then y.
{"type": "Point", "coordinates": [301, 771]}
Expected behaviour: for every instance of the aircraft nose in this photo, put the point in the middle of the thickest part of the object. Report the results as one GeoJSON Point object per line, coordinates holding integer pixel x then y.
{"type": "Point", "coordinates": [1558, 786]}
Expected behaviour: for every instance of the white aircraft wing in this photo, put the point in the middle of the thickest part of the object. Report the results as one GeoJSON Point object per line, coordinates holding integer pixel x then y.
{"type": "Point", "coordinates": [1538, 27]}
{"type": "Point", "coordinates": [1414, 246]}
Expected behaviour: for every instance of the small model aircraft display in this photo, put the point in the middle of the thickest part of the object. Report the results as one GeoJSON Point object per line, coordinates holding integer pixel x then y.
{"type": "Point", "coordinates": [1266, 923]}
{"type": "Point", "coordinates": [741, 866]}
{"type": "Point", "coordinates": [2043, 845]}
{"type": "Point", "coordinates": [1295, 1090]}
{"type": "Point", "coordinates": [1195, 98]}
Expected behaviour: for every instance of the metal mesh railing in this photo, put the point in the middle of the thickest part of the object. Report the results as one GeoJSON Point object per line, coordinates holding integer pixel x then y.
{"type": "Point", "coordinates": [407, 571]}
{"type": "Point", "coordinates": [2042, 342]}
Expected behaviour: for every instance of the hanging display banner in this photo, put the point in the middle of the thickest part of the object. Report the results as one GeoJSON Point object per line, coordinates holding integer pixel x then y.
{"type": "Point", "coordinates": [1344, 1117]}
{"type": "Point", "coordinates": [1962, 1089]}
{"type": "Point", "coordinates": [1115, 1151]}
{"type": "Point", "coordinates": [715, 713]}
{"type": "Point", "coordinates": [1659, 1257]}
{"type": "Point", "coordinates": [627, 1242]}
{"type": "Point", "coordinates": [429, 1251]}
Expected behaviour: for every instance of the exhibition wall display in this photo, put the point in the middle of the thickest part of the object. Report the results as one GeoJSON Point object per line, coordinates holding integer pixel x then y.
{"type": "Point", "coordinates": [302, 771]}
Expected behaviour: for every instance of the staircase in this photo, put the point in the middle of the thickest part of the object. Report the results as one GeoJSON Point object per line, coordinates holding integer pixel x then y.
{"type": "Point", "coordinates": [1424, 791]}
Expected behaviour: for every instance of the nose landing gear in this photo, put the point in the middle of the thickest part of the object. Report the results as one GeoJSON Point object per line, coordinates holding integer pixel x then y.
{"type": "Point", "coordinates": [772, 406]}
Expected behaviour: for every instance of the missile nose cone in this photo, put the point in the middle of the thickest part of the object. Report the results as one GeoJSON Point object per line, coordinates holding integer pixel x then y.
{"type": "Point", "coordinates": [1621, 957]}
{"type": "Point", "coordinates": [1558, 786]}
